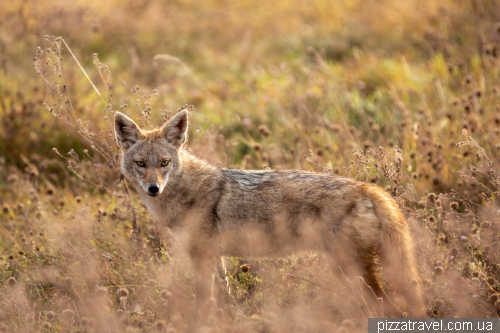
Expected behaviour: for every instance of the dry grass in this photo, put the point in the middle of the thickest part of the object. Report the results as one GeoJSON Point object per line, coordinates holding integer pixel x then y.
{"type": "Point", "coordinates": [401, 94]}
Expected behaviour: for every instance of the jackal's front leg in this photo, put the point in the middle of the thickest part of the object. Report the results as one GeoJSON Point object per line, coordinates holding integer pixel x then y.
{"type": "Point", "coordinates": [203, 283]}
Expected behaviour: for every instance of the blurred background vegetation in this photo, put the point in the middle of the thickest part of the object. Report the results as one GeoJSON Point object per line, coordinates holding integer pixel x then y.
{"type": "Point", "coordinates": [339, 69]}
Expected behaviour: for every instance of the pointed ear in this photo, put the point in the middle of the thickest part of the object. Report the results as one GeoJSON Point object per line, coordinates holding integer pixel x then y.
{"type": "Point", "coordinates": [126, 131]}
{"type": "Point", "coordinates": [175, 131]}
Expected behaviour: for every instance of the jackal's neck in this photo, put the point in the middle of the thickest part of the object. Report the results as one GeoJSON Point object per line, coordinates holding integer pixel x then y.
{"type": "Point", "coordinates": [192, 169]}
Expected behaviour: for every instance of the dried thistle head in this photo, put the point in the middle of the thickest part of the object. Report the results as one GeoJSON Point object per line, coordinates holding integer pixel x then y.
{"type": "Point", "coordinates": [348, 324]}
{"type": "Point", "coordinates": [245, 268]}
{"type": "Point", "coordinates": [101, 292]}
{"type": "Point", "coordinates": [439, 304]}
{"type": "Point", "coordinates": [50, 315]}
{"type": "Point", "coordinates": [165, 294]}
{"type": "Point", "coordinates": [12, 281]}
{"type": "Point", "coordinates": [264, 130]}
{"type": "Point", "coordinates": [122, 292]}
{"type": "Point", "coordinates": [85, 321]}
{"type": "Point", "coordinates": [160, 325]}
{"type": "Point", "coordinates": [12, 179]}
{"type": "Point", "coordinates": [68, 314]}
{"type": "Point", "coordinates": [468, 79]}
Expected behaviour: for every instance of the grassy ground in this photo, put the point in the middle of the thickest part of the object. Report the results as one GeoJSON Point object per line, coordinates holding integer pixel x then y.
{"type": "Point", "coordinates": [402, 94]}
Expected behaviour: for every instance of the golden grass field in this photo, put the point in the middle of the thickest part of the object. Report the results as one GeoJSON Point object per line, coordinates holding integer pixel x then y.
{"type": "Point", "coordinates": [404, 94]}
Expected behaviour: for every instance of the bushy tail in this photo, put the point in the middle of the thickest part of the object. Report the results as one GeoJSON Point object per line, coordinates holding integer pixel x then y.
{"type": "Point", "coordinates": [397, 251]}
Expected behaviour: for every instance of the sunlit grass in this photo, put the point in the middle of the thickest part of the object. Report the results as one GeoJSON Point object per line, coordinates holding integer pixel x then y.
{"type": "Point", "coordinates": [314, 86]}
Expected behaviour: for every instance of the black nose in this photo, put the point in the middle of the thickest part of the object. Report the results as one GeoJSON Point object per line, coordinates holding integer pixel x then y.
{"type": "Point", "coordinates": [153, 188]}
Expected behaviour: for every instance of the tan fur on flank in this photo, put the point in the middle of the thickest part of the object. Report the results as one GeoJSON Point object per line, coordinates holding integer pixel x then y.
{"type": "Point", "coordinates": [214, 211]}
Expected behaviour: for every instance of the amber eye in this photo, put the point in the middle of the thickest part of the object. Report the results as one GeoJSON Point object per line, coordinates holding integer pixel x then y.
{"type": "Point", "coordinates": [140, 163]}
{"type": "Point", "coordinates": [164, 163]}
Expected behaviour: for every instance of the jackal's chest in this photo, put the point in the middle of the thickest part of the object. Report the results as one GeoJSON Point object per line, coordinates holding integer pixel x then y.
{"type": "Point", "coordinates": [166, 212]}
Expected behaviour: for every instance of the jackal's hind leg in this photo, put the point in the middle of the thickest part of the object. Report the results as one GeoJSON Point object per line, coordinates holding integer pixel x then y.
{"type": "Point", "coordinates": [348, 266]}
{"type": "Point", "coordinates": [373, 287]}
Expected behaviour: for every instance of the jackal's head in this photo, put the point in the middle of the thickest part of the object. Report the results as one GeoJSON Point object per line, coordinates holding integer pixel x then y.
{"type": "Point", "coordinates": [150, 157]}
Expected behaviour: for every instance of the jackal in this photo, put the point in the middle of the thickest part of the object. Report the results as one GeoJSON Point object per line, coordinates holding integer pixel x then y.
{"type": "Point", "coordinates": [213, 211]}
